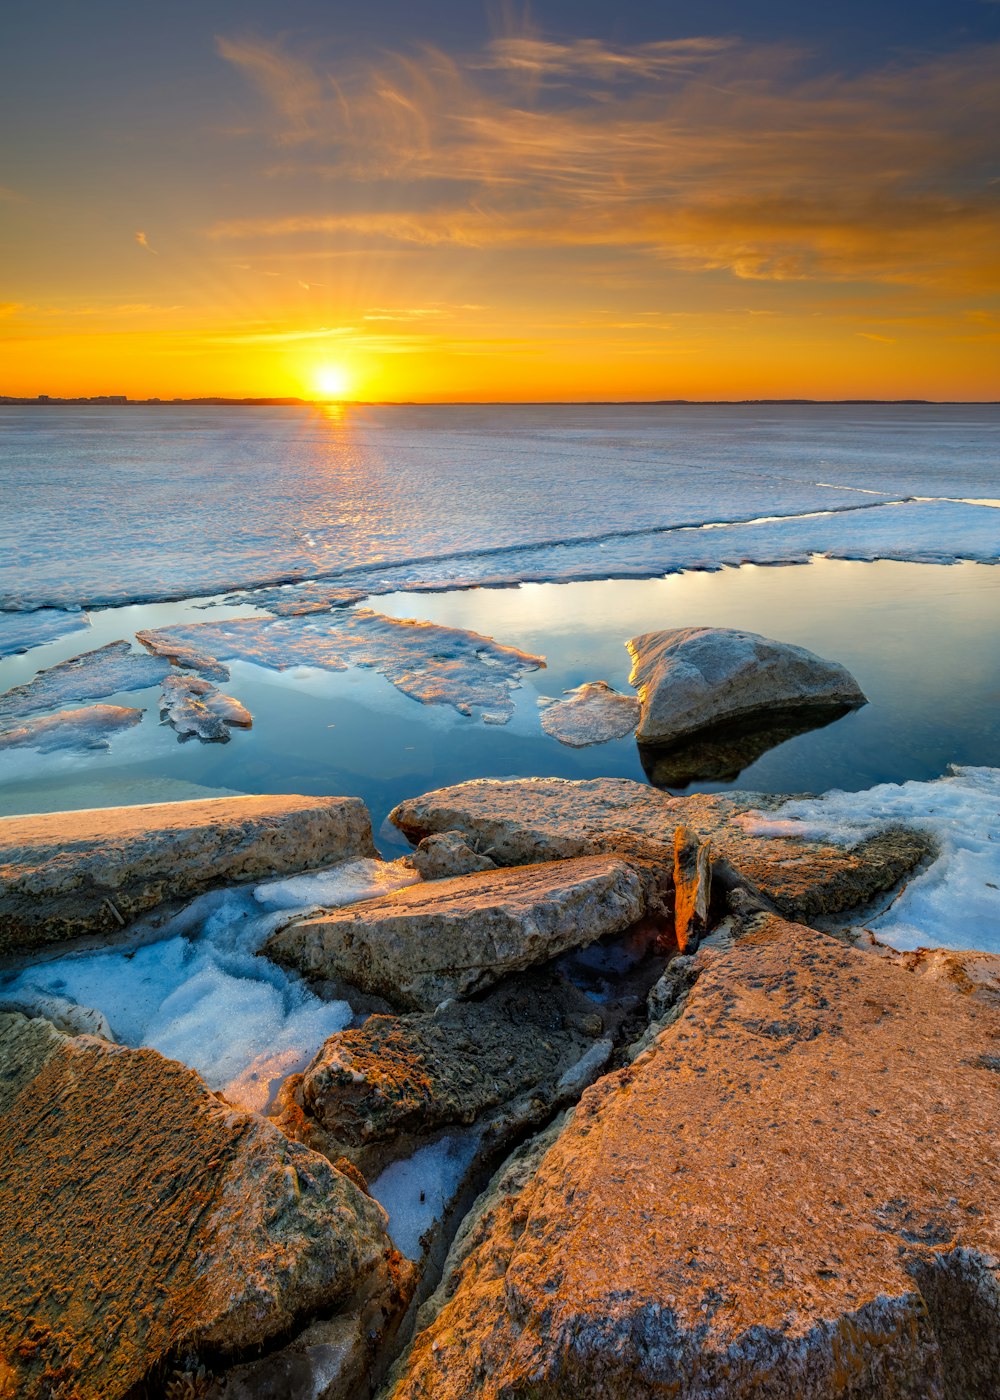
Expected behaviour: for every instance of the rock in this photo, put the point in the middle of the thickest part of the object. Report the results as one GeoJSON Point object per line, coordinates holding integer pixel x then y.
{"type": "Point", "coordinates": [195, 706]}
{"type": "Point", "coordinates": [593, 714]}
{"type": "Point", "coordinates": [964, 970]}
{"type": "Point", "coordinates": [446, 854]}
{"type": "Point", "coordinates": [63, 874]}
{"type": "Point", "coordinates": [141, 1221]}
{"type": "Point", "coordinates": [373, 1094]}
{"type": "Point", "coordinates": [91, 727]}
{"type": "Point", "coordinates": [692, 888]}
{"type": "Point", "coordinates": [446, 938]}
{"type": "Point", "coordinates": [794, 1193]}
{"type": "Point", "coordinates": [530, 819]}
{"type": "Point", "coordinates": [67, 1016]}
{"type": "Point", "coordinates": [91, 676]}
{"type": "Point", "coordinates": [692, 678]}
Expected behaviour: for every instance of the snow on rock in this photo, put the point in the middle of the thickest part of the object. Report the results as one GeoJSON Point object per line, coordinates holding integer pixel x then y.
{"type": "Point", "coordinates": [91, 676]}
{"type": "Point", "coordinates": [417, 1192]}
{"type": "Point", "coordinates": [431, 663]}
{"type": "Point", "coordinates": [345, 884]}
{"type": "Point", "coordinates": [591, 714]}
{"type": "Point", "coordinates": [20, 631]}
{"type": "Point", "coordinates": [194, 706]}
{"type": "Point", "coordinates": [92, 727]}
{"type": "Point", "coordinates": [955, 902]}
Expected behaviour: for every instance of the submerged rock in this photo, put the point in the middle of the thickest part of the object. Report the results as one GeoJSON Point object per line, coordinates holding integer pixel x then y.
{"type": "Point", "coordinates": [792, 1193]}
{"type": "Point", "coordinates": [445, 854]}
{"type": "Point", "coordinates": [92, 727]}
{"type": "Point", "coordinates": [63, 874]}
{"type": "Point", "coordinates": [519, 820]}
{"type": "Point", "coordinates": [592, 714]}
{"type": "Point", "coordinates": [692, 678]}
{"type": "Point", "coordinates": [446, 938]}
{"type": "Point", "coordinates": [195, 706]}
{"type": "Point", "coordinates": [143, 1222]}
{"type": "Point", "coordinates": [92, 676]}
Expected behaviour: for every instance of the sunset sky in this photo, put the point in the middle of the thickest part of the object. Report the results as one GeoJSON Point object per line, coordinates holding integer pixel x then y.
{"type": "Point", "coordinates": [455, 201]}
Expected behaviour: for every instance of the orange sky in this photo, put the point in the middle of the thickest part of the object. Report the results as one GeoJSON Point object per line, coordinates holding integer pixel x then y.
{"type": "Point", "coordinates": [529, 218]}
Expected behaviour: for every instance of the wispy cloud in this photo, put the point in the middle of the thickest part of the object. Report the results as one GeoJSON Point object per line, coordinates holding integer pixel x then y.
{"type": "Point", "coordinates": [707, 152]}
{"type": "Point", "coordinates": [143, 242]}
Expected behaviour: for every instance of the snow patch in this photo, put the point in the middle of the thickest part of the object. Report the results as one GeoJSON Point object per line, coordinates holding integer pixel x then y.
{"type": "Point", "coordinates": [417, 1192]}
{"type": "Point", "coordinates": [349, 883]}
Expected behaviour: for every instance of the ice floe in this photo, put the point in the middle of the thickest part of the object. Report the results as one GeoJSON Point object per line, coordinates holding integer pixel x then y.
{"type": "Point", "coordinates": [202, 994]}
{"type": "Point", "coordinates": [194, 706]}
{"type": "Point", "coordinates": [417, 1192]}
{"type": "Point", "coordinates": [429, 662]}
{"type": "Point", "coordinates": [93, 675]}
{"type": "Point", "coordinates": [92, 727]}
{"type": "Point", "coordinates": [184, 656]}
{"type": "Point", "coordinates": [20, 631]}
{"type": "Point", "coordinates": [955, 903]}
{"type": "Point", "coordinates": [593, 713]}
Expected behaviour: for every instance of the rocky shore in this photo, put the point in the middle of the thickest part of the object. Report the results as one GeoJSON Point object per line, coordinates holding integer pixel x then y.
{"type": "Point", "coordinates": [629, 1105]}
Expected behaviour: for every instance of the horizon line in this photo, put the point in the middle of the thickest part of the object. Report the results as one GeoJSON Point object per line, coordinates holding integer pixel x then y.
{"type": "Point", "coordinates": [291, 401]}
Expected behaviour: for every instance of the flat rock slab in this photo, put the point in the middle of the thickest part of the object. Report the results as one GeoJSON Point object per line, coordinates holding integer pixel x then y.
{"type": "Point", "coordinates": [141, 1219]}
{"type": "Point", "coordinates": [520, 820]}
{"type": "Point", "coordinates": [693, 678]}
{"type": "Point", "coordinates": [63, 874]}
{"type": "Point", "coordinates": [447, 938]}
{"type": "Point", "coordinates": [795, 1193]}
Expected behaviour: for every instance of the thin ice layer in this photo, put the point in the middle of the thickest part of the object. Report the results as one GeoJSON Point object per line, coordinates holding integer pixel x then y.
{"type": "Point", "coordinates": [417, 1192]}
{"type": "Point", "coordinates": [591, 714]}
{"type": "Point", "coordinates": [92, 727]}
{"type": "Point", "coordinates": [202, 994]}
{"type": "Point", "coordinates": [429, 662]}
{"type": "Point", "coordinates": [194, 706]}
{"type": "Point", "coordinates": [955, 903]}
{"type": "Point", "coordinates": [93, 675]}
{"type": "Point", "coordinates": [20, 631]}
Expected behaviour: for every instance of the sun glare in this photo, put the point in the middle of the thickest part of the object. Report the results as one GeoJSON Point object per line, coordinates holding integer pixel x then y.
{"type": "Point", "coordinates": [332, 381]}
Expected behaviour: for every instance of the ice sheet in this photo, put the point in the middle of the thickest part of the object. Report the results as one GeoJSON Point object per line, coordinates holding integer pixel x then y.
{"type": "Point", "coordinates": [182, 502]}
{"type": "Point", "coordinates": [201, 993]}
{"type": "Point", "coordinates": [92, 727]}
{"type": "Point", "coordinates": [593, 713]}
{"type": "Point", "coordinates": [418, 1191]}
{"type": "Point", "coordinates": [93, 675]}
{"type": "Point", "coordinates": [955, 903]}
{"type": "Point", "coordinates": [20, 631]}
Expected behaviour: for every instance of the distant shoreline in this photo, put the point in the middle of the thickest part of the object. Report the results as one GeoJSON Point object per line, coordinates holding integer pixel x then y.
{"type": "Point", "coordinates": [213, 401]}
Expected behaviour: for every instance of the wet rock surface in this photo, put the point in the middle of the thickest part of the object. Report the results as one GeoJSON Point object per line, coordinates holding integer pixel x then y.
{"type": "Point", "coordinates": [64, 874]}
{"type": "Point", "coordinates": [691, 678]}
{"type": "Point", "coordinates": [534, 819]}
{"type": "Point", "coordinates": [444, 938]}
{"type": "Point", "coordinates": [144, 1224]}
{"type": "Point", "coordinates": [790, 1194]}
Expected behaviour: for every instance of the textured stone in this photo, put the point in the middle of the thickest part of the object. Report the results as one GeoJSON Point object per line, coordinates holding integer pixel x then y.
{"type": "Point", "coordinates": [793, 1194]}
{"type": "Point", "coordinates": [528, 819]}
{"type": "Point", "coordinates": [142, 1220]}
{"type": "Point", "coordinates": [964, 970]}
{"type": "Point", "coordinates": [444, 938]}
{"type": "Point", "coordinates": [693, 678]}
{"type": "Point", "coordinates": [445, 854]}
{"type": "Point", "coordinates": [692, 888]}
{"type": "Point", "coordinates": [63, 874]}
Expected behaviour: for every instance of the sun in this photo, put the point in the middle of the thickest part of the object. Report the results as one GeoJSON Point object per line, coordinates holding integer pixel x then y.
{"type": "Point", "coordinates": [332, 381]}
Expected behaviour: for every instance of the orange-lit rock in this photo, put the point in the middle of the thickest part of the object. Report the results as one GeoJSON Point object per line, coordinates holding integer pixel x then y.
{"type": "Point", "coordinates": [794, 1193]}
{"type": "Point", "coordinates": [532, 819]}
{"type": "Point", "coordinates": [143, 1222]}
{"type": "Point", "coordinates": [692, 887]}
{"type": "Point", "coordinates": [68, 873]}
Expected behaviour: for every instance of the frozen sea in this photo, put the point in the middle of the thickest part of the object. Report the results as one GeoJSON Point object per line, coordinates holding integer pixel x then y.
{"type": "Point", "coordinates": [391, 593]}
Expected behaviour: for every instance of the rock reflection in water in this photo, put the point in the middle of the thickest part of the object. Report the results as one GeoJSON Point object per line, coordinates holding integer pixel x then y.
{"type": "Point", "coordinates": [720, 754]}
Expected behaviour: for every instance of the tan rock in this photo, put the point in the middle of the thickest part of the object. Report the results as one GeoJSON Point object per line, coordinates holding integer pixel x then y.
{"type": "Point", "coordinates": [142, 1220]}
{"type": "Point", "coordinates": [530, 819]}
{"type": "Point", "coordinates": [445, 938]}
{"type": "Point", "coordinates": [795, 1193]}
{"type": "Point", "coordinates": [445, 854]}
{"type": "Point", "coordinates": [63, 874]}
{"type": "Point", "coordinates": [966, 970]}
{"type": "Point", "coordinates": [692, 888]}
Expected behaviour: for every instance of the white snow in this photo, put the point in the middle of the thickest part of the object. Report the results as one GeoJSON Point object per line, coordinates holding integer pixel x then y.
{"type": "Point", "coordinates": [955, 903]}
{"type": "Point", "coordinates": [203, 995]}
{"type": "Point", "coordinates": [417, 1192]}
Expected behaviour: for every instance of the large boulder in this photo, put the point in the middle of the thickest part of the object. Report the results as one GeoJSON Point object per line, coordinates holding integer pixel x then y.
{"type": "Point", "coordinates": [535, 819]}
{"type": "Point", "coordinates": [63, 874]}
{"type": "Point", "coordinates": [446, 938]}
{"type": "Point", "coordinates": [691, 679]}
{"type": "Point", "coordinates": [144, 1224]}
{"type": "Point", "coordinates": [794, 1193]}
